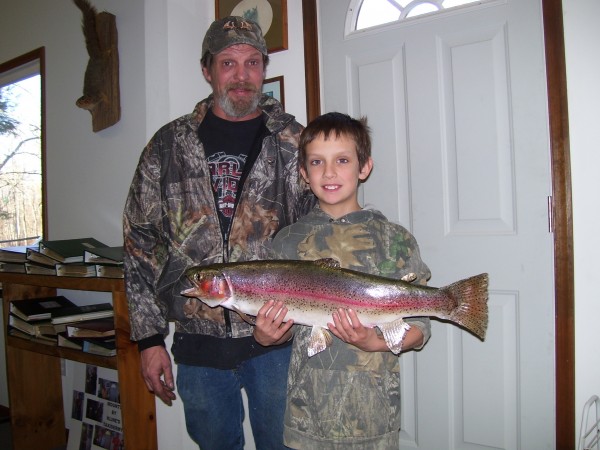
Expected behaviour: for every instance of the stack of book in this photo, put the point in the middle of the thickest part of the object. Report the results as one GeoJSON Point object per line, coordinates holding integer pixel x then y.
{"type": "Point", "coordinates": [13, 259]}
{"type": "Point", "coordinates": [91, 336]}
{"type": "Point", "coordinates": [82, 257]}
{"type": "Point", "coordinates": [59, 321]}
{"type": "Point", "coordinates": [31, 319]}
{"type": "Point", "coordinates": [108, 261]}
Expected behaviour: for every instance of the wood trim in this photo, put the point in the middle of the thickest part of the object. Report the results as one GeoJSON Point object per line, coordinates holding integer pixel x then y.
{"type": "Point", "coordinates": [563, 224]}
{"type": "Point", "coordinates": [43, 133]}
{"type": "Point", "coordinates": [311, 59]}
{"type": "Point", "coordinates": [562, 206]}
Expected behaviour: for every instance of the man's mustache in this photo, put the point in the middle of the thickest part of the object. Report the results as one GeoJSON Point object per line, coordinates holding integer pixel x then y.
{"type": "Point", "coordinates": [242, 85]}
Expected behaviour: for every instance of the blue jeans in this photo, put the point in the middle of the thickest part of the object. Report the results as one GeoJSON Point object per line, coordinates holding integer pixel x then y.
{"type": "Point", "coordinates": [212, 402]}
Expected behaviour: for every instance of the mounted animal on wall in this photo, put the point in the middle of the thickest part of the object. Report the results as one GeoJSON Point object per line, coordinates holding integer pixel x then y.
{"type": "Point", "coordinates": [101, 95]}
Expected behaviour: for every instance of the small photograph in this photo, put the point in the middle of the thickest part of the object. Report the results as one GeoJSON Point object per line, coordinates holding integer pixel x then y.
{"type": "Point", "coordinates": [87, 431]}
{"type": "Point", "coordinates": [94, 410]}
{"type": "Point", "coordinates": [108, 390]}
{"type": "Point", "coordinates": [91, 375]}
{"type": "Point", "coordinates": [77, 408]}
{"type": "Point", "coordinates": [108, 439]}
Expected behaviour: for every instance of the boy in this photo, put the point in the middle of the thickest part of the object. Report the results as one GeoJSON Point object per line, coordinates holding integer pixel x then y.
{"type": "Point", "coordinates": [347, 396]}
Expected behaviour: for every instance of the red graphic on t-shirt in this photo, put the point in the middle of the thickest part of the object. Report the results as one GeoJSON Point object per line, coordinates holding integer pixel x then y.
{"type": "Point", "coordinates": [226, 171]}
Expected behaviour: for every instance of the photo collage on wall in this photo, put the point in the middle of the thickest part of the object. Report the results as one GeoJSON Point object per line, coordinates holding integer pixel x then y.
{"type": "Point", "coordinates": [96, 410]}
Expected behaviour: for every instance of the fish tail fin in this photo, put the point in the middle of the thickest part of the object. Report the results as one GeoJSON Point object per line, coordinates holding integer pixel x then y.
{"type": "Point", "coordinates": [471, 295]}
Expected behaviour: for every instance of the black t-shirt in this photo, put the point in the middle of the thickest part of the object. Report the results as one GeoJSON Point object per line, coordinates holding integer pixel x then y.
{"type": "Point", "coordinates": [230, 147]}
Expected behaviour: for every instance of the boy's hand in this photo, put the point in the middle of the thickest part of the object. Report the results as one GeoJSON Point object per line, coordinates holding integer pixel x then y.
{"type": "Point", "coordinates": [347, 327]}
{"type": "Point", "coordinates": [270, 327]}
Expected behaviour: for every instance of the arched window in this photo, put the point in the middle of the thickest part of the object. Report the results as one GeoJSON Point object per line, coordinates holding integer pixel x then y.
{"type": "Point", "coordinates": [370, 13]}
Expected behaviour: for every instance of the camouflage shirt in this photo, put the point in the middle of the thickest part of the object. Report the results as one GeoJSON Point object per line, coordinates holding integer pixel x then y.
{"type": "Point", "coordinates": [344, 397]}
{"type": "Point", "coordinates": [171, 222]}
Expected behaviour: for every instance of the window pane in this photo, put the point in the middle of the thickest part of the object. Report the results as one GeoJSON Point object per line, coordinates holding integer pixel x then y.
{"type": "Point", "coordinates": [21, 183]}
{"type": "Point", "coordinates": [378, 12]}
{"type": "Point", "coordinates": [423, 8]}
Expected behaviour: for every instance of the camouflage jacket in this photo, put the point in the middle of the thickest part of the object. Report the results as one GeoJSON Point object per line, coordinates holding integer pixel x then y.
{"type": "Point", "coordinates": [171, 223]}
{"type": "Point", "coordinates": [344, 397]}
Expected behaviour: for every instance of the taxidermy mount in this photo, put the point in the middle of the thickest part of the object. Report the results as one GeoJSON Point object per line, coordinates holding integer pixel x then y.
{"type": "Point", "coordinates": [101, 81]}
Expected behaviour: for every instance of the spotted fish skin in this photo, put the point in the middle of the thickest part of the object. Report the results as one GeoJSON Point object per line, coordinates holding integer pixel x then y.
{"type": "Point", "coordinates": [313, 290]}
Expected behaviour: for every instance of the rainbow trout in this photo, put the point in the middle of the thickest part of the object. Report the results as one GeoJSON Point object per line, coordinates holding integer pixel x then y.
{"type": "Point", "coordinates": [313, 290]}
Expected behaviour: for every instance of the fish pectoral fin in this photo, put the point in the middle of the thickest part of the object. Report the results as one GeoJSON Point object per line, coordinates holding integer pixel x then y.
{"type": "Point", "coordinates": [245, 317]}
{"type": "Point", "coordinates": [320, 339]}
{"type": "Point", "coordinates": [394, 333]}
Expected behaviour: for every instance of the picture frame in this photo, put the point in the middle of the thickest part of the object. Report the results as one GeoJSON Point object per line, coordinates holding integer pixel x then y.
{"type": "Point", "coordinates": [271, 15]}
{"type": "Point", "coordinates": [274, 88]}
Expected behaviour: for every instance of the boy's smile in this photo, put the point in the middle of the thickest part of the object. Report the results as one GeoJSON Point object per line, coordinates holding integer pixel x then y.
{"type": "Point", "coordinates": [333, 173]}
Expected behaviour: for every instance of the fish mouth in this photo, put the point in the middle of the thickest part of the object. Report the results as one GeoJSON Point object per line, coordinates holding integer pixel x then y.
{"type": "Point", "coordinates": [190, 292]}
{"type": "Point", "coordinates": [212, 287]}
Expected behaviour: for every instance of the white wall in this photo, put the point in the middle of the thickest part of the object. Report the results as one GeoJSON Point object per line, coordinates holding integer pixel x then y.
{"type": "Point", "coordinates": [160, 79]}
{"type": "Point", "coordinates": [582, 38]}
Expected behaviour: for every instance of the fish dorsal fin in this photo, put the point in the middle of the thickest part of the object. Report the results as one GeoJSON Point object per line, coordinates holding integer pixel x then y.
{"type": "Point", "coordinates": [245, 317]}
{"type": "Point", "coordinates": [409, 277]}
{"type": "Point", "coordinates": [328, 263]}
{"type": "Point", "coordinates": [320, 339]}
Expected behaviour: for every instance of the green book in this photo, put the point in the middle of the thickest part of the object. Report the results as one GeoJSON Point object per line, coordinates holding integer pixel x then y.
{"type": "Point", "coordinates": [109, 271]}
{"type": "Point", "coordinates": [12, 267]}
{"type": "Point", "coordinates": [103, 347]}
{"type": "Point", "coordinates": [104, 255]}
{"type": "Point", "coordinates": [68, 250]}
{"type": "Point", "coordinates": [76, 270]}
{"type": "Point", "coordinates": [34, 255]}
{"type": "Point", "coordinates": [37, 328]}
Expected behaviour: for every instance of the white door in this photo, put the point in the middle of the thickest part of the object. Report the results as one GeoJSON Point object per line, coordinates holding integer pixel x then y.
{"type": "Point", "coordinates": [457, 105]}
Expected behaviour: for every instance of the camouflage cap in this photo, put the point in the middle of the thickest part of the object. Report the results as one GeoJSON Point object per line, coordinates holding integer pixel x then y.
{"type": "Point", "coordinates": [230, 31]}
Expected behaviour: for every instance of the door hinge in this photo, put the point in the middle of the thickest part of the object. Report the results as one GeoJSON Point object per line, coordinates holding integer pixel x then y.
{"type": "Point", "coordinates": [550, 214]}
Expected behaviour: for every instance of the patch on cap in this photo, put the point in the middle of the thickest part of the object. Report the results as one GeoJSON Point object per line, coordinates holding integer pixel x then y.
{"type": "Point", "coordinates": [230, 31]}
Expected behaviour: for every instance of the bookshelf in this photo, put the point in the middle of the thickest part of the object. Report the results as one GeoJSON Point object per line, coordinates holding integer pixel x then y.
{"type": "Point", "coordinates": [34, 370]}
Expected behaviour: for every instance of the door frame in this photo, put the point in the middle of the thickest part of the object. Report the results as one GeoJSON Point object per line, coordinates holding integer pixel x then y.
{"type": "Point", "coordinates": [560, 206]}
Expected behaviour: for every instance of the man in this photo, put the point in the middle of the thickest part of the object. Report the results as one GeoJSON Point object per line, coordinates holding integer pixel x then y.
{"type": "Point", "coordinates": [214, 186]}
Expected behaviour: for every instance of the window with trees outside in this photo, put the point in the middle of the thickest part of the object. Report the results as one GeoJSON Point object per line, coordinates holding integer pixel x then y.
{"type": "Point", "coordinates": [371, 13]}
{"type": "Point", "coordinates": [22, 181]}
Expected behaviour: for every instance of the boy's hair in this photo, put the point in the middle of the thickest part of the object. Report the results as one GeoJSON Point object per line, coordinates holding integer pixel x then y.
{"type": "Point", "coordinates": [335, 124]}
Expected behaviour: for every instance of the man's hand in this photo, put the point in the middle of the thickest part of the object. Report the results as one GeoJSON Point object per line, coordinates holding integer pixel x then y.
{"type": "Point", "coordinates": [270, 328]}
{"type": "Point", "coordinates": [156, 363]}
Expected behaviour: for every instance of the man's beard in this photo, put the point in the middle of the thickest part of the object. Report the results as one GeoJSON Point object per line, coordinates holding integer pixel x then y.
{"type": "Point", "coordinates": [241, 107]}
